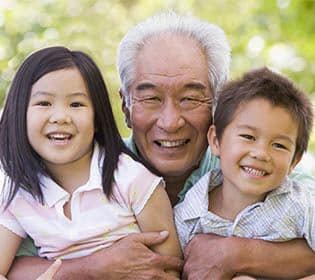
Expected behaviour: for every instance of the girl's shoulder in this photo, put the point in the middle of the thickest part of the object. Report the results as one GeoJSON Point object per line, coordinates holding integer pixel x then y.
{"type": "Point", "coordinates": [130, 170]}
{"type": "Point", "coordinates": [127, 163]}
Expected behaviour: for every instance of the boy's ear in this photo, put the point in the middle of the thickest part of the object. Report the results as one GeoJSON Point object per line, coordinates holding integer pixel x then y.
{"type": "Point", "coordinates": [213, 141]}
{"type": "Point", "coordinates": [125, 108]}
{"type": "Point", "coordinates": [295, 162]}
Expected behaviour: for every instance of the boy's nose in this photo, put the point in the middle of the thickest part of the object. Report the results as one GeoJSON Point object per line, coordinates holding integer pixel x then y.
{"type": "Point", "coordinates": [260, 152]}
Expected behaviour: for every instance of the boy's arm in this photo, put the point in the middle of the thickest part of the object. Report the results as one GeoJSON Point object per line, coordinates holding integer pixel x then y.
{"type": "Point", "coordinates": [210, 254]}
{"type": "Point", "coordinates": [129, 258]}
{"type": "Point", "coordinates": [157, 215]}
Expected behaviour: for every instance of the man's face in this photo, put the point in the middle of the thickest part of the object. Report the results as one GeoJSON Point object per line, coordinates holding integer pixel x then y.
{"type": "Point", "coordinates": [170, 110]}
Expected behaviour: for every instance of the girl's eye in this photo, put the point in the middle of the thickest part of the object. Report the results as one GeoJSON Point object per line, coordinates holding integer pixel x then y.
{"type": "Point", "coordinates": [43, 103]}
{"type": "Point", "coordinates": [247, 136]}
{"type": "Point", "coordinates": [76, 104]}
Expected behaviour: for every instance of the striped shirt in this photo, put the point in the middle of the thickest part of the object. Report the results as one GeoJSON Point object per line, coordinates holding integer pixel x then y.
{"type": "Point", "coordinates": [95, 221]}
{"type": "Point", "coordinates": [286, 213]}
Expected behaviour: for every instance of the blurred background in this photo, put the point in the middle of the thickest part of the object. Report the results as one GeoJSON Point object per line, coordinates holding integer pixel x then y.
{"type": "Point", "coordinates": [276, 33]}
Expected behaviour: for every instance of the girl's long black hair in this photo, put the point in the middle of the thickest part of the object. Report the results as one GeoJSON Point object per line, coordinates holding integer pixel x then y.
{"type": "Point", "coordinates": [18, 159]}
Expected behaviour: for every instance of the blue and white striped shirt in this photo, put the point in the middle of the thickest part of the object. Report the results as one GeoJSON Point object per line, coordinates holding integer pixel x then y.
{"type": "Point", "coordinates": [286, 213]}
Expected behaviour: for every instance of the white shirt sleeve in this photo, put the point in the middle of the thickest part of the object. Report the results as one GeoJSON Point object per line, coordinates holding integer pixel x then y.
{"type": "Point", "coordinates": [134, 184]}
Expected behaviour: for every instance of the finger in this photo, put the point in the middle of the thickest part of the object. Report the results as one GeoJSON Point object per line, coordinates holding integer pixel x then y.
{"type": "Point", "coordinates": [149, 238]}
{"type": "Point", "coordinates": [171, 263]}
{"type": "Point", "coordinates": [171, 277]}
{"type": "Point", "coordinates": [2, 277]}
{"type": "Point", "coordinates": [187, 250]}
{"type": "Point", "coordinates": [51, 271]}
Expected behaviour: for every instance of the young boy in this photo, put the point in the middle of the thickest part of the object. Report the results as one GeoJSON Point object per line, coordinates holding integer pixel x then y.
{"type": "Point", "coordinates": [261, 128]}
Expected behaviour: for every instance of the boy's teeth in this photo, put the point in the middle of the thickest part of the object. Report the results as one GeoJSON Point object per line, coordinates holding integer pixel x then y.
{"type": "Point", "coordinates": [253, 171]}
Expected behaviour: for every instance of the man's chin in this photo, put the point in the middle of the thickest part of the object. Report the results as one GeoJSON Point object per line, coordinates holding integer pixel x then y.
{"type": "Point", "coordinates": [175, 170]}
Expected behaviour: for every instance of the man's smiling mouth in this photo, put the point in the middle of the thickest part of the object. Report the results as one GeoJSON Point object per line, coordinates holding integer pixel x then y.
{"type": "Point", "coordinates": [171, 143]}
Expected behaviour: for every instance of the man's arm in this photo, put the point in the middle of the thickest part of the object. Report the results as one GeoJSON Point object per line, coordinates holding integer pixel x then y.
{"type": "Point", "coordinates": [129, 258]}
{"type": "Point", "coordinates": [210, 254]}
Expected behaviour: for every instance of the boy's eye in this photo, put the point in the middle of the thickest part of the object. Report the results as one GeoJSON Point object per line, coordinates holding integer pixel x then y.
{"type": "Point", "coordinates": [247, 136]}
{"type": "Point", "coordinates": [77, 104]}
{"type": "Point", "coordinates": [279, 146]}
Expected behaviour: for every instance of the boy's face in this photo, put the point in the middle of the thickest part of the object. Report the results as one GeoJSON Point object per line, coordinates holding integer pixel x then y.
{"type": "Point", "coordinates": [256, 149]}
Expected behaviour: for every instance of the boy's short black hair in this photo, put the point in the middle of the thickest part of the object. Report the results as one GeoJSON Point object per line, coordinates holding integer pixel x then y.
{"type": "Point", "coordinates": [275, 88]}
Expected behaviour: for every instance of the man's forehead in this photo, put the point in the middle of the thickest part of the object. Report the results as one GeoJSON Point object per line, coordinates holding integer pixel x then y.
{"type": "Point", "coordinates": [169, 62]}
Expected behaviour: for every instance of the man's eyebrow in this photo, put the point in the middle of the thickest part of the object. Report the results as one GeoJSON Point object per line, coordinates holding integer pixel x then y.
{"type": "Point", "coordinates": [195, 85]}
{"type": "Point", "coordinates": [145, 85]}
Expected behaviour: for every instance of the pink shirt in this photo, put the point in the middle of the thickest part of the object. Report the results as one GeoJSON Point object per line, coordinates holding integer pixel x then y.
{"type": "Point", "coordinates": [95, 222]}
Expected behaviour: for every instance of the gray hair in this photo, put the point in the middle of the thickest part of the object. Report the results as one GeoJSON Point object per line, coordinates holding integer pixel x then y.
{"type": "Point", "coordinates": [210, 37]}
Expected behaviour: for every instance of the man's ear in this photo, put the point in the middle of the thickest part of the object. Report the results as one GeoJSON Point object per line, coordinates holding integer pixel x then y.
{"type": "Point", "coordinates": [294, 163]}
{"type": "Point", "coordinates": [213, 141]}
{"type": "Point", "coordinates": [125, 108]}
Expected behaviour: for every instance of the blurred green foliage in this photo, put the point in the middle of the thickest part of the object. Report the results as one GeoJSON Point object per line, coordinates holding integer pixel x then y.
{"type": "Point", "coordinates": [277, 33]}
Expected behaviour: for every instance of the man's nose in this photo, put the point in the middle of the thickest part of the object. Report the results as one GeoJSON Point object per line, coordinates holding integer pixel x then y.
{"type": "Point", "coordinates": [170, 117]}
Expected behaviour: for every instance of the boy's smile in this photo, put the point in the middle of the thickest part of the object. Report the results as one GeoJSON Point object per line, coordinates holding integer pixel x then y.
{"type": "Point", "coordinates": [256, 149]}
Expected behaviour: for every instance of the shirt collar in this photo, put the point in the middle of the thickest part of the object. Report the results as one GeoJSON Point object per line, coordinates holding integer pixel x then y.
{"type": "Point", "coordinates": [203, 168]}
{"type": "Point", "coordinates": [285, 187]}
{"type": "Point", "coordinates": [196, 201]}
{"type": "Point", "coordinates": [53, 193]}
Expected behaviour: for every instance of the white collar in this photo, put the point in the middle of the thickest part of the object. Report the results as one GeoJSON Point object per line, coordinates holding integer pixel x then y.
{"type": "Point", "coordinates": [52, 192]}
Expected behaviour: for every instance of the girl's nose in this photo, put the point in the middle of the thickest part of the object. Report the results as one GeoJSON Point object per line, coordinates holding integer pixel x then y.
{"type": "Point", "coordinates": [59, 116]}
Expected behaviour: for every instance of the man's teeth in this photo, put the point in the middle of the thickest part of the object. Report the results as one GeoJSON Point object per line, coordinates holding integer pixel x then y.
{"type": "Point", "coordinates": [170, 144]}
{"type": "Point", "coordinates": [254, 172]}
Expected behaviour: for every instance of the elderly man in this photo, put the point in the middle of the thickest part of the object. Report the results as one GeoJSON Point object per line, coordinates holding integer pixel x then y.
{"type": "Point", "coordinates": [170, 69]}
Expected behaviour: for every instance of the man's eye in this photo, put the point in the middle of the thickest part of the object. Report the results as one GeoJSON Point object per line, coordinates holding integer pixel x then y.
{"type": "Point", "coordinates": [247, 136]}
{"type": "Point", "coordinates": [76, 104]}
{"type": "Point", "coordinates": [150, 100]}
{"type": "Point", "coordinates": [153, 99]}
{"type": "Point", "coordinates": [190, 103]}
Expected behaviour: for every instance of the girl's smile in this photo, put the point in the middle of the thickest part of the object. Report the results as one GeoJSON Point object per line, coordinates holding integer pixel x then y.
{"type": "Point", "coordinates": [60, 119]}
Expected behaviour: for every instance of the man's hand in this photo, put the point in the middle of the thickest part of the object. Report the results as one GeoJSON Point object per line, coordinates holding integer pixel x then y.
{"type": "Point", "coordinates": [130, 258]}
{"type": "Point", "coordinates": [212, 257]}
{"type": "Point", "coordinates": [207, 256]}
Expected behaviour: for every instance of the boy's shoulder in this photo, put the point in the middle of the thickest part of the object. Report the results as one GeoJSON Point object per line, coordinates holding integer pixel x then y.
{"type": "Point", "coordinates": [294, 192]}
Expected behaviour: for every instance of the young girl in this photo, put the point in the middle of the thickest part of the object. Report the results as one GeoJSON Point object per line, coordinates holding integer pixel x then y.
{"type": "Point", "coordinates": [71, 183]}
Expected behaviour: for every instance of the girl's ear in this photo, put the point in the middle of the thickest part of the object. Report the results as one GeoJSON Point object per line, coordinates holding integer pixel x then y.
{"type": "Point", "coordinates": [213, 141]}
{"type": "Point", "coordinates": [125, 108]}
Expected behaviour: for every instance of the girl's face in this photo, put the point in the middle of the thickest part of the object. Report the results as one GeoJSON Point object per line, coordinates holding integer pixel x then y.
{"type": "Point", "coordinates": [60, 120]}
